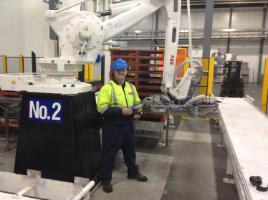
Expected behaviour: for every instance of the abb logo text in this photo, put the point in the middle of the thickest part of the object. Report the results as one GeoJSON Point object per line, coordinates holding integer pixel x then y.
{"type": "Point", "coordinates": [172, 59]}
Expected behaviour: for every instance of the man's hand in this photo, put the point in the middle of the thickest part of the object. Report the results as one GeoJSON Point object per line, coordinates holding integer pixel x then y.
{"type": "Point", "coordinates": [127, 111]}
{"type": "Point", "coordinates": [138, 111]}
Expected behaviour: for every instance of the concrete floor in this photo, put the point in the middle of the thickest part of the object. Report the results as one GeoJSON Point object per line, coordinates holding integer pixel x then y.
{"type": "Point", "coordinates": [191, 168]}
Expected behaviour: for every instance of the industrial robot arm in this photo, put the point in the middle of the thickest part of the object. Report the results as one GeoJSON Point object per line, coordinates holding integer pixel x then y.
{"type": "Point", "coordinates": [82, 34]}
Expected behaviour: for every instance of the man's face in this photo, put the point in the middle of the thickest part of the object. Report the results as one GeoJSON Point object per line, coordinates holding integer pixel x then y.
{"type": "Point", "coordinates": [120, 75]}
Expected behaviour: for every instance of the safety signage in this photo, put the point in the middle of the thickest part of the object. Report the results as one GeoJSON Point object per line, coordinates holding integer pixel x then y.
{"type": "Point", "coordinates": [45, 110]}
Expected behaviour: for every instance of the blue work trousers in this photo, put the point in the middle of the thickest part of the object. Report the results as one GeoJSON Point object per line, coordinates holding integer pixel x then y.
{"type": "Point", "coordinates": [113, 139]}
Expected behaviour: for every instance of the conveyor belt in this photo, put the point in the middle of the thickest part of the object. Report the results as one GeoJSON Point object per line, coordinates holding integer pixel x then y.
{"type": "Point", "coordinates": [245, 133]}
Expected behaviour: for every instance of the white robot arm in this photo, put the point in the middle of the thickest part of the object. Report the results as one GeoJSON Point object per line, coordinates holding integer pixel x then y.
{"type": "Point", "coordinates": [82, 34]}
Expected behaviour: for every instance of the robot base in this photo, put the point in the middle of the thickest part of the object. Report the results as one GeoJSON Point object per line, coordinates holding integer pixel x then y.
{"type": "Point", "coordinates": [59, 136]}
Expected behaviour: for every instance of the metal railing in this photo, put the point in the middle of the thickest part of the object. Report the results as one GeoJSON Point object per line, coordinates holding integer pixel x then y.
{"type": "Point", "coordinates": [15, 64]}
{"type": "Point", "coordinates": [219, 33]}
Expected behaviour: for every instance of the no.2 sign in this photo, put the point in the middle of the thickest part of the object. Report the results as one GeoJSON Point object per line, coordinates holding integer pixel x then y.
{"type": "Point", "coordinates": [45, 110]}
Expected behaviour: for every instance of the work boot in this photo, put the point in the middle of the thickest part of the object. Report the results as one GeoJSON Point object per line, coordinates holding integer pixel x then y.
{"type": "Point", "coordinates": [138, 177]}
{"type": "Point", "coordinates": [107, 186]}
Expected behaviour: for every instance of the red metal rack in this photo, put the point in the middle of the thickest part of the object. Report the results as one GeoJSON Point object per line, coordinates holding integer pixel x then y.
{"type": "Point", "coordinates": [145, 70]}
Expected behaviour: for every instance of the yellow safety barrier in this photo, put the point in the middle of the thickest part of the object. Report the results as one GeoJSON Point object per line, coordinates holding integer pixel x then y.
{"type": "Point", "coordinates": [88, 72]}
{"type": "Point", "coordinates": [265, 87]}
{"type": "Point", "coordinates": [206, 85]}
{"type": "Point", "coordinates": [4, 61]}
{"type": "Point", "coordinates": [204, 80]}
{"type": "Point", "coordinates": [210, 77]}
{"type": "Point", "coordinates": [21, 64]}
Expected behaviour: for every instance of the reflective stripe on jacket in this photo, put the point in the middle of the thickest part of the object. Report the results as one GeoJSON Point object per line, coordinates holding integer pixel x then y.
{"type": "Point", "coordinates": [113, 95]}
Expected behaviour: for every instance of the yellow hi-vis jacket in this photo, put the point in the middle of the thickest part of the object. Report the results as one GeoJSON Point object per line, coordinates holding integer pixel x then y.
{"type": "Point", "coordinates": [113, 95]}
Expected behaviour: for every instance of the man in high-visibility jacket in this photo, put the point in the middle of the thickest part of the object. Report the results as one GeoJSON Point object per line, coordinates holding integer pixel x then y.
{"type": "Point", "coordinates": [116, 102]}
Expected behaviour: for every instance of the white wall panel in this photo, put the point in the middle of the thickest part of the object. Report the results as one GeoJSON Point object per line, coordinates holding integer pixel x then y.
{"type": "Point", "coordinates": [144, 45]}
{"type": "Point", "coordinates": [247, 51]}
{"type": "Point", "coordinates": [13, 65]}
{"type": "Point", "coordinates": [162, 20]}
{"type": "Point", "coordinates": [147, 23]}
{"type": "Point", "coordinates": [215, 46]}
{"type": "Point", "coordinates": [221, 18]}
{"type": "Point", "coordinates": [36, 29]}
{"type": "Point", "coordinates": [242, 18]}
{"type": "Point", "coordinates": [23, 27]}
{"type": "Point", "coordinates": [27, 65]}
{"type": "Point", "coordinates": [197, 49]}
{"type": "Point", "coordinates": [12, 29]}
{"type": "Point", "coordinates": [197, 19]}
{"type": "Point", "coordinates": [218, 45]}
{"type": "Point", "coordinates": [247, 17]}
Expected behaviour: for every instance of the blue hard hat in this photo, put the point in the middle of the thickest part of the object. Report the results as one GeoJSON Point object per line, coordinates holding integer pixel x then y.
{"type": "Point", "coordinates": [119, 64]}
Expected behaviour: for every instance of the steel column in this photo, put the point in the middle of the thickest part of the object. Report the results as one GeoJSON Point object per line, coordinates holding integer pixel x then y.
{"type": "Point", "coordinates": [208, 28]}
{"type": "Point", "coordinates": [33, 62]}
{"type": "Point", "coordinates": [155, 29]}
{"type": "Point", "coordinates": [262, 43]}
{"type": "Point", "coordinates": [230, 26]}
